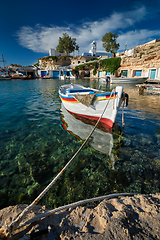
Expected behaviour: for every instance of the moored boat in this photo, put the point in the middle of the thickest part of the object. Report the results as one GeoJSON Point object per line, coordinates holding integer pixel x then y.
{"type": "Point", "coordinates": [4, 77]}
{"type": "Point", "coordinates": [149, 88]}
{"type": "Point", "coordinates": [26, 77]}
{"type": "Point", "coordinates": [128, 80]}
{"type": "Point", "coordinates": [15, 76]}
{"type": "Point", "coordinates": [90, 103]}
{"type": "Point", "coordinates": [105, 80]}
{"type": "Point", "coordinates": [62, 77]}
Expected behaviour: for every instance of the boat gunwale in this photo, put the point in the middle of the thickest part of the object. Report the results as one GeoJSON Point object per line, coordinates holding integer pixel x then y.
{"type": "Point", "coordinates": [71, 95]}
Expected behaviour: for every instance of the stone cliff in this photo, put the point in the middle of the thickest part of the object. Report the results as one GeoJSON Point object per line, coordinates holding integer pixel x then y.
{"type": "Point", "coordinates": [144, 57]}
{"type": "Point", "coordinates": [53, 63]}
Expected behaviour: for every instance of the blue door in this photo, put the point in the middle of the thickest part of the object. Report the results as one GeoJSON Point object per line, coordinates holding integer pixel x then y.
{"type": "Point", "coordinates": [43, 73]}
{"type": "Point", "coordinates": [56, 74]}
{"type": "Point", "coordinates": [138, 73]}
{"type": "Point", "coordinates": [99, 74]}
{"type": "Point", "coordinates": [153, 74]}
{"type": "Point", "coordinates": [124, 73]}
{"type": "Point", "coordinates": [108, 73]}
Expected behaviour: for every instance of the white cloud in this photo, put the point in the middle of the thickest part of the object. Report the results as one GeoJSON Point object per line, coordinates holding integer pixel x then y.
{"type": "Point", "coordinates": [137, 37]}
{"type": "Point", "coordinates": [41, 38]}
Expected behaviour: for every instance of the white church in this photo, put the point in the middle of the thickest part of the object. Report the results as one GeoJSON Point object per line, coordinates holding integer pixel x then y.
{"type": "Point", "coordinates": [93, 51]}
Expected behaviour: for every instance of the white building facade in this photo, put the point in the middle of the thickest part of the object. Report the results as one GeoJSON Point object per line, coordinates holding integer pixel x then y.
{"type": "Point", "coordinates": [53, 52]}
{"type": "Point", "coordinates": [94, 52]}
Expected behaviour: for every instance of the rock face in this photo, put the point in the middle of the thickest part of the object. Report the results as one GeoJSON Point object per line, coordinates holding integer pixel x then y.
{"type": "Point", "coordinates": [136, 217]}
{"type": "Point", "coordinates": [53, 63]}
{"type": "Point", "coordinates": [145, 56]}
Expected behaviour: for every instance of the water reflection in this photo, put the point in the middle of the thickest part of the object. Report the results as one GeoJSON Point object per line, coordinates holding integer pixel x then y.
{"type": "Point", "coordinates": [102, 138]}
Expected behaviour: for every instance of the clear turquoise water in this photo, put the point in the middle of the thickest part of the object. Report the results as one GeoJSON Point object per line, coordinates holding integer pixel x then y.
{"type": "Point", "coordinates": [34, 146]}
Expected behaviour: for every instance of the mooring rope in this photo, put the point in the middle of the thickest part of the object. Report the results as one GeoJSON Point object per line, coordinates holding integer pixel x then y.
{"type": "Point", "coordinates": [123, 123]}
{"type": "Point", "coordinates": [114, 97]}
{"type": "Point", "coordinates": [123, 115]}
{"type": "Point", "coordinates": [72, 205]}
{"type": "Point", "coordinates": [7, 230]}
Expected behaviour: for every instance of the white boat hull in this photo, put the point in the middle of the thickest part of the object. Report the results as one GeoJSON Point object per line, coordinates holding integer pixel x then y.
{"type": "Point", "coordinates": [95, 110]}
{"type": "Point", "coordinates": [128, 80]}
{"type": "Point", "coordinates": [62, 77]}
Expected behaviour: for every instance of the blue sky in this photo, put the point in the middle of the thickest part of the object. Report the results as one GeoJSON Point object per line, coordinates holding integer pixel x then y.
{"type": "Point", "coordinates": [30, 28]}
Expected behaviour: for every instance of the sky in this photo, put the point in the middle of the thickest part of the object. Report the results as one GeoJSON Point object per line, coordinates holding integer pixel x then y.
{"type": "Point", "coordinates": [28, 29]}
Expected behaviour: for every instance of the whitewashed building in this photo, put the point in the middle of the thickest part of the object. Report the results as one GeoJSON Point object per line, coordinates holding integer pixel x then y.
{"type": "Point", "coordinates": [53, 52]}
{"type": "Point", "coordinates": [96, 53]}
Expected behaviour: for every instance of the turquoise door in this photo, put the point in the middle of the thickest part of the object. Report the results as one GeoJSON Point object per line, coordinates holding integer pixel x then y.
{"type": "Point", "coordinates": [153, 74]}
{"type": "Point", "coordinates": [138, 73]}
{"type": "Point", "coordinates": [124, 73]}
{"type": "Point", "coordinates": [99, 74]}
{"type": "Point", "coordinates": [108, 73]}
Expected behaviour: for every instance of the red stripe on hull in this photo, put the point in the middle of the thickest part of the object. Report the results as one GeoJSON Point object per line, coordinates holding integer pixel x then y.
{"type": "Point", "coordinates": [71, 100]}
{"type": "Point", "coordinates": [104, 121]}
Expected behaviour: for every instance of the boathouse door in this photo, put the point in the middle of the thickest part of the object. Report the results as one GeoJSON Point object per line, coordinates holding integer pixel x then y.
{"type": "Point", "coordinates": [108, 73]}
{"type": "Point", "coordinates": [124, 73]}
{"type": "Point", "coordinates": [153, 74]}
{"type": "Point", "coordinates": [100, 74]}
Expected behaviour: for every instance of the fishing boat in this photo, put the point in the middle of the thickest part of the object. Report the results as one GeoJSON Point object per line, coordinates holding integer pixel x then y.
{"type": "Point", "coordinates": [15, 76]}
{"type": "Point", "coordinates": [26, 77]}
{"type": "Point", "coordinates": [4, 76]}
{"type": "Point", "coordinates": [90, 103]}
{"type": "Point", "coordinates": [72, 77]}
{"type": "Point", "coordinates": [62, 77]}
{"type": "Point", "coordinates": [149, 88]}
{"type": "Point", "coordinates": [104, 79]}
{"type": "Point", "coordinates": [135, 80]}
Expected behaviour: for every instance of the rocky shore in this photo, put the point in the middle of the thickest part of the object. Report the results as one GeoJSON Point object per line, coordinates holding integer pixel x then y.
{"type": "Point", "coordinates": [134, 217]}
